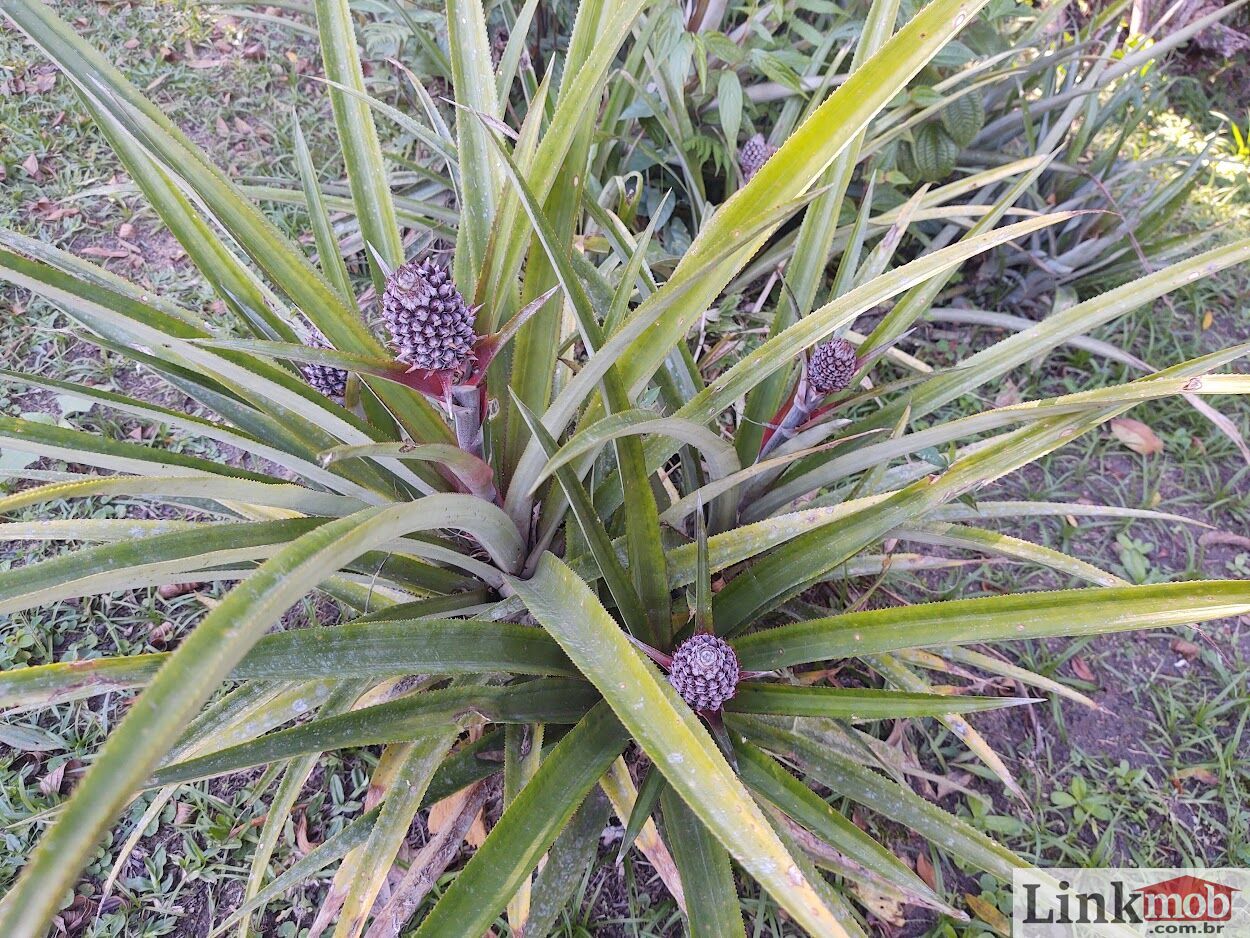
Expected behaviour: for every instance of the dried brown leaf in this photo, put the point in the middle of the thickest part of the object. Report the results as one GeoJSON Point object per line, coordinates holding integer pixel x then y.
{"type": "Point", "coordinates": [1081, 668]}
{"type": "Point", "coordinates": [1198, 774]}
{"type": "Point", "coordinates": [1010, 394]}
{"type": "Point", "coordinates": [50, 784]}
{"type": "Point", "coordinates": [1136, 436]}
{"type": "Point", "coordinates": [924, 869]}
{"type": "Point", "coordinates": [1187, 650]}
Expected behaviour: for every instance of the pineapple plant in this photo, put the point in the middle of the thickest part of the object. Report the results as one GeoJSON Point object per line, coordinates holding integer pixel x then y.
{"type": "Point", "coordinates": [521, 489]}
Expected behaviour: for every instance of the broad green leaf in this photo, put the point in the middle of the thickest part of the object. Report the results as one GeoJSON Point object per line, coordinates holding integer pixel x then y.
{"type": "Point", "coordinates": [92, 449]}
{"type": "Point", "coordinates": [752, 368]}
{"type": "Point", "coordinates": [582, 385]}
{"type": "Point", "coordinates": [203, 660]}
{"type": "Point", "coordinates": [706, 406]}
{"type": "Point", "coordinates": [920, 297]}
{"type": "Point", "coordinates": [190, 487]}
{"type": "Point", "coordinates": [567, 862]}
{"type": "Point", "coordinates": [328, 252]}
{"type": "Point", "coordinates": [527, 828]}
{"type": "Point", "coordinates": [876, 792]}
{"type": "Point", "coordinates": [649, 792]}
{"type": "Point", "coordinates": [194, 426]}
{"type": "Point", "coordinates": [93, 274]}
{"type": "Point", "coordinates": [481, 180]}
{"type": "Point", "coordinates": [642, 526]}
{"type": "Point", "coordinates": [510, 60]}
{"type": "Point", "coordinates": [549, 700]}
{"type": "Point", "coordinates": [720, 456]}
{"type": "Point", "coordinates": [786, 572]}
{"type": "Point", "coordinates": [163, 558]}
{"type": "Point", "coordinates": [994, 542]}
{"type": "Point", "coordinates": [797, 165]}
{"type": "Point", "coordinates": [842, 465]}
{"type": "Point", "coordinates": [712, 909]}
{"type": "Point", "coordinates": [597, 539]}
{"type": "Point", "coordinates": [857, 704]}
{"type": "Point", "coordinates": [294, 776]}
{"type": "Point", "coordinates": [999, 358]}
{"type": "Point", "coordinates": [472, 472]}
{"type": "Point", "coordinates": [591, 52]}
{"type": "Point", "coordinates": [672, 736]}
{"type": "Point", "coordinates": [366, 172]}
{"type": "Point", "coordinates": [761, 773]}
{"type": "Point", "coordinates": [144, 561]}
{"type": "Point", "coordinates": [533, 368]}
{"type": "Point", "coordinates": [721, 459]}
{"type": "Point", "coordinates": [368, 649]}
{"type": "Point", "coordinates": [814, 242]}
{"type": "Point", "coordinates": [1093, 611]}
{"type": "Point", "coordinates": [731, 547]}
{"type": "Point", "coordinates": [137, 128]}
{"type": "Point", "coordinates": [134, 325]}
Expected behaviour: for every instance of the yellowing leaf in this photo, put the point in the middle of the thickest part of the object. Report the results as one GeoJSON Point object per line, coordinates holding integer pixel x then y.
{"type": "Point", "coordinates": [989, 914]}
{"type": "Point", "coordinates": [1136, 436]}
{"type": "Point", "coordinates": [1198, 774]}
{"type": "Point", "coordinates": [887, 908]}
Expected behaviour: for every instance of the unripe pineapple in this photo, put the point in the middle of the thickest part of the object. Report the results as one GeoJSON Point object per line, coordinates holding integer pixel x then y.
{"type": "Point", "coordinates": [753, 155]}
{"type": "Point", "coordinates": [330, 381]}
{"type": "Point", "coordinates": [705, 672]}
{"type": "Point", "coordinates": [832, 366]}
{"type": "Point", "coordinates": [431, 326]}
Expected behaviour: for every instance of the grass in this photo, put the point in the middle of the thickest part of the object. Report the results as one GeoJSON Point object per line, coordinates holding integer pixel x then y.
{"type": "Point", "coordinates": [1158, 777]}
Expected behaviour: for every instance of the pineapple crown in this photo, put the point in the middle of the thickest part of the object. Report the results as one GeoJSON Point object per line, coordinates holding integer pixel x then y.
{"type": "Point", "coordinates": [705, 672]}
{"type": "Point", "coordinates": [832, 365]}
{"type": "Point", "coordinates": [431, 326]}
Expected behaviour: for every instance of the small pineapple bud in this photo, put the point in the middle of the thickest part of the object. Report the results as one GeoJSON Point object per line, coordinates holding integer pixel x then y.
{"type": "Point", "coordinates": [753, 155]}
{"type": "Point", "coordinates": [431, 327]}
{"type": "Point", "coordinates": [832, 366]}
{"type": "Point", "coordinates": [704, 672]}
{"type": "Point", "coordinates": [330, 381]}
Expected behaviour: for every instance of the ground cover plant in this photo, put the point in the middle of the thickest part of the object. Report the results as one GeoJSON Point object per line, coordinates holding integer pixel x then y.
{"type": "Point", "coordinates": [518, 465]}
